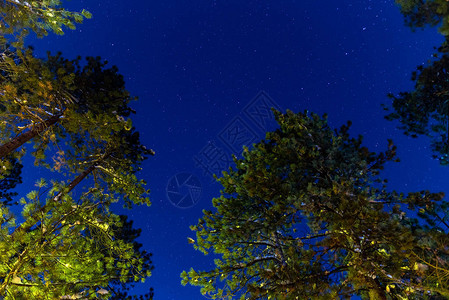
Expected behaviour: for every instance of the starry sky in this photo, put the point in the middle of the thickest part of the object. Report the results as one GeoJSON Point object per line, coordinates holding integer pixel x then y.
{"type": "Point", "coordinates": [205, 69]}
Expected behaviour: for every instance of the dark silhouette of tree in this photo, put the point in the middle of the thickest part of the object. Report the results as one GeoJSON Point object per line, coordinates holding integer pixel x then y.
{"type": "Point", "coordinates": [425, 110]}
{"type": "Point", "coordinates": [10, 181]}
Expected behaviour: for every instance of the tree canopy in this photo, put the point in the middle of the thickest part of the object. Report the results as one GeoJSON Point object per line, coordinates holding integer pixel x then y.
{"type": "Point", "coordinates": [76, 115]}
{"type": "Point", "coordinates": [305, 215]}
{"type": "Point", "coordinates": [80, 112]}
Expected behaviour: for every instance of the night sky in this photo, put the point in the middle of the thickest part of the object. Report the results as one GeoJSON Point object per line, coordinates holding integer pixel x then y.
{"type": "Point", "coordinates": [206, 69]}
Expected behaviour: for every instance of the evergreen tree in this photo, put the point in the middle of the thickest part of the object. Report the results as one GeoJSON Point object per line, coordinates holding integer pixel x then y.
{"type": "Point", "coordinates": [77, 117]}
{"type": "Point", "coordinates": [304, 215]}
{"type": "Point", "coordinates": [113, 162]}
{"type": "Point", "coordinates": [425, 110]}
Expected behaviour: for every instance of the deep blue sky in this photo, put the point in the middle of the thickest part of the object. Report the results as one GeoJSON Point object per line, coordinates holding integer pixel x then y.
{"type": "Point", "coordinates": [195, 65]}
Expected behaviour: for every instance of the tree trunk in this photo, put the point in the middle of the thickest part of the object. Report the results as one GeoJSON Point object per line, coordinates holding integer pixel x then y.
{"type": "Point", "coordinates": [75, 182]}
{"type": "Point", "coordinates": [18, 141]}
{"type": "Point", "coordinates": [80, 177]}
{"type": "Point", "coordinates": [70, 187]}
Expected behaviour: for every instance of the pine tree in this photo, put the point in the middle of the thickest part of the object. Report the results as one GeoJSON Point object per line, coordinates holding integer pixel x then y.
{"type": "Point", "coordinates": [305, 215]}
{"type": "Point", "coordinates": [113, 163]}
{"type": "Point", "coordinates": [77, 117]}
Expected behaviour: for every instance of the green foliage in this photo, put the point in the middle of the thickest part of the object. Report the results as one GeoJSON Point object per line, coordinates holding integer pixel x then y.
{"type": "Point", "coordinates": [18, 17]}
{"type": "Point", "coordinates": [77, 116]}
{"type": "Point", "coordinates": [90, 96]}
{"type": "Point", "coordinates": [304, 215]}
{"type": "Point", "coordinates": [433, 254]}
{"type": "Point", "coordinates": [79, 113]}
{"type": "Point", "coordinates": [67, 248]}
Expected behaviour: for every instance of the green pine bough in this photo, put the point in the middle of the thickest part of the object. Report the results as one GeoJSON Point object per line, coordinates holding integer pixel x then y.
{"type": "Point", "coordinates": [19, 17]}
